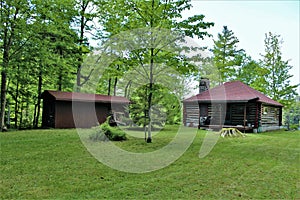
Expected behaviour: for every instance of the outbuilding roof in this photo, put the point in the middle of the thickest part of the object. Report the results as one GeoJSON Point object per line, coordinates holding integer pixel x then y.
{"type": "Point", "coordinates": [84, 97]}
{"type": "Point", "coordinates": [235, 91]}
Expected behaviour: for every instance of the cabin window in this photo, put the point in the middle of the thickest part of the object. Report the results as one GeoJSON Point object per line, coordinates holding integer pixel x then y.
{"type": "Point", "coordinates": [266, 110]}
{"type": "Point", "coordinates": [270, 115]}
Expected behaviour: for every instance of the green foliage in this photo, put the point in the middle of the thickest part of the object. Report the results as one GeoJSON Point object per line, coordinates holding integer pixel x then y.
{"type": "Point", "coordinates": [113, 133]}
{"type": "Point", "coordinates": [252, 73]}
{"type": "Point", "coordinates": [292, 114]}
{"type": "Point", "coordinates": [226, 55]}
{"type": "Point", "coordinates": [44, 43]}
{"type": "Point", "coordinates": [105, 131]}
{"type": "Point", "coordinates": [166, 107]}
{"type": "Point", "coordinates": [294, 126]}
{"type": "Point", "coordinates": [278, 85]}
{"type": "Point", "coordinates": [270, 75]}
{"type": "Point", "coordinates": [160, 46]}
{"type": "Point", "coordinates": [97, 134]}
{"type": "Point", "coordinates": [42, 51]}
{"type": "Point", "coordinates": [207, 69]}
{"type": "Point", "coordinates": [14, 34]}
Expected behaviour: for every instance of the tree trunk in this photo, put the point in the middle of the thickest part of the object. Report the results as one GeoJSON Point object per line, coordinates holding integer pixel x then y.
{"type": "Point", "coordinates": [145, 131]}
{"type": "Point", "coordinates": [3, 99]}
{"type": "Point", "coordinates": [7, 43]}
{"type": "Point", "coordinates": [8, 115]}
{"type": "Point", "coordinates": [78, 77]}
{"type": "Point", "coordinates": [60, 82]}
{"type": "Point", "coordinates": [108, 88]}
{"type": "Point", "coordinates": [21, 116]}
{"type": "Point", "coordinates": [116, 81]}
{"type": "Point", "coordinates": [38, 105]}
{"type": "Point", "coordinates": [115, 86]}
{"type": "Point", "coordinates": [84, 6]}
{"type": "Point", "coordinates": [60, 77]}
{"type": "Point", "coordinates": [149, 139]}
{"type": "Point", "coordinates": [16, 105]}
{"type": "Point", "coordinates": [3, 80]}
{"type": "Point", "coordinates": [34, 115]}
{"type": "Point", "coordinates": [27, 113]}
{"type": "Point", "coordinates": [127, 89]}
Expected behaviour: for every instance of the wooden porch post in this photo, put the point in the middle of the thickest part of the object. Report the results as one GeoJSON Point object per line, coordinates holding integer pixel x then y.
{"type": "Point", "coordinates": [199, 113]}
{"type": "Point", "coordinates": [245, 116]}
{"type": "Point", "coordinates": [220, 115]}
{"type": "Point", "coordinates": [256, 117]}
{"type": "Point", "coordinates": [280, 116]}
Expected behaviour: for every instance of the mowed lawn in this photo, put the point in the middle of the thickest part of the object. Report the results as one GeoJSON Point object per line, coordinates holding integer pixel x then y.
{"type": "Point", "coordinates": [54, 164]}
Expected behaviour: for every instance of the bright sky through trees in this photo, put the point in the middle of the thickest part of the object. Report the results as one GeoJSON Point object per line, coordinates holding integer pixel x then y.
{"type": "Point", "coordinates": [250, 20]}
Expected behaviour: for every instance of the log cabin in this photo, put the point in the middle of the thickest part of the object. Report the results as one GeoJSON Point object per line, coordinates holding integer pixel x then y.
{"type": "Point", "coordinates": [232, 104]}
{"type": "Point", "coordinates": [79, 110]}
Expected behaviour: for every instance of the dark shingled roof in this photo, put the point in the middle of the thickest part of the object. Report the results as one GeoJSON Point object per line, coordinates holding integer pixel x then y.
{"type": "Point", "coordinates": [84, 97]}
{"type": "Point", "coordinates": [235, 91]}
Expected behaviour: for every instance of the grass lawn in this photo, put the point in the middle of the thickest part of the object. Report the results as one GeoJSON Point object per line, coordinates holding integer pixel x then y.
{"type": "Point", "coordinates": [54, 164]}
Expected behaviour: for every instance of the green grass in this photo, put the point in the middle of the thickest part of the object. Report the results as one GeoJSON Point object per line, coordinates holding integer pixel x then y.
{"type": "Point", "coordinates": [54, 164]}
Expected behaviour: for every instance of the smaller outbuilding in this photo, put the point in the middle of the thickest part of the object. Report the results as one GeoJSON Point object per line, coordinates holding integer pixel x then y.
{"type": "Point", "coordinates": [79, 110]}
{"type": "Point", "coordinates": [232, 104]}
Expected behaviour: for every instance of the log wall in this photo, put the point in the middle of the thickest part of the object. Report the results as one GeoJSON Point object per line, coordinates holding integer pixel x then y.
{"type": "Point", "coordinates": [234, 114]}
{"type": "Point", "coordinates": [238, 113]}
{"type": "Point", "coordinates": [191, 115]}
{"type": "Point", "coordinates": [270, 115]}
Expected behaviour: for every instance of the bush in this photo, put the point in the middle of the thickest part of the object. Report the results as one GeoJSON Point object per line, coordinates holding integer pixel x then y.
{"type": "Point", "coordinates": [105, 132]}
{"type": "Point", "coordinates": [98, 134]}
{"type": "Point", "coordinates": [294, 127]}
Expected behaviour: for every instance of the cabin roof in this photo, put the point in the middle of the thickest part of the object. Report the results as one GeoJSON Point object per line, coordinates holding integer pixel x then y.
{"type": "Point", "coordinates": [84, 97]}
{"type": "Point", "coordinates": [234, 91]}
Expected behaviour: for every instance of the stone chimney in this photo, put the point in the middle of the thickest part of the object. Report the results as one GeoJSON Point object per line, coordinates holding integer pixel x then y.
{"type": "Point", "coordinates": [203, 85]}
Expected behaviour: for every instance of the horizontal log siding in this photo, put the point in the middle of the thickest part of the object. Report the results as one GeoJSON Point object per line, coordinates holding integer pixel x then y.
{"type": "Point", "coordinates": [191, 115]}
{"type": "Point", "coordinates": [217, 112]}
{"type": "Point", "coordinates": [237, 114]}
{"type": "Point", "coordinates": [270, 115]}
{"type": "Point", "coordinates": [255, 112]}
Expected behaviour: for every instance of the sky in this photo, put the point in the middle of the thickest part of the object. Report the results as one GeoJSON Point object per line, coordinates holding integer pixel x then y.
{"type": "Point", "coordinates": [250, 21]}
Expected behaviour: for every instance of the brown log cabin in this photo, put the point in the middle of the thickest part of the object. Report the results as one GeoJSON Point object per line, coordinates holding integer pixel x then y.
{"type": "Point", "coordinates": [232, 104]}
{"type": "Point", "coordinates": [79, 110]}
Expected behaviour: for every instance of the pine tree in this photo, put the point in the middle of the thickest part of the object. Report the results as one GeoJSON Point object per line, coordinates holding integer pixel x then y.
{"type": "Point", "coordinates": [226, 54]}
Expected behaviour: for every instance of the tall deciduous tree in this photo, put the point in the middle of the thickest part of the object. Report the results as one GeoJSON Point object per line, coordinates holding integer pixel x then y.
{"type": "Point", "coordinates": [278, 87]}
{"type": "Point", "coordinates": [83, 22]}
{"type": "Point", "coordinates": [39, 52]}
{"type": "Point", "coordinates": [252, 73]}
{"type": "Point", "coordinates": [14, 35]}
{"type": "Point", "coordinates": [226, 54]}
{"type": "Point", "coordinates": [55, 44]}
{"type": "Point", "coordinates": [123, 15]}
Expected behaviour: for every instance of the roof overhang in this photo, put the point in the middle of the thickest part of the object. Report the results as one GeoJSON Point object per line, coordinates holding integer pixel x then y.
{"type": "Point", "coordinates": [84, 97]}
{"type": "Point", "coordinates": [91, 101]}
{"type": "Point", "coordinates": [268, 104]}
{"type": "Point", "coordinates": [222, 101]}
